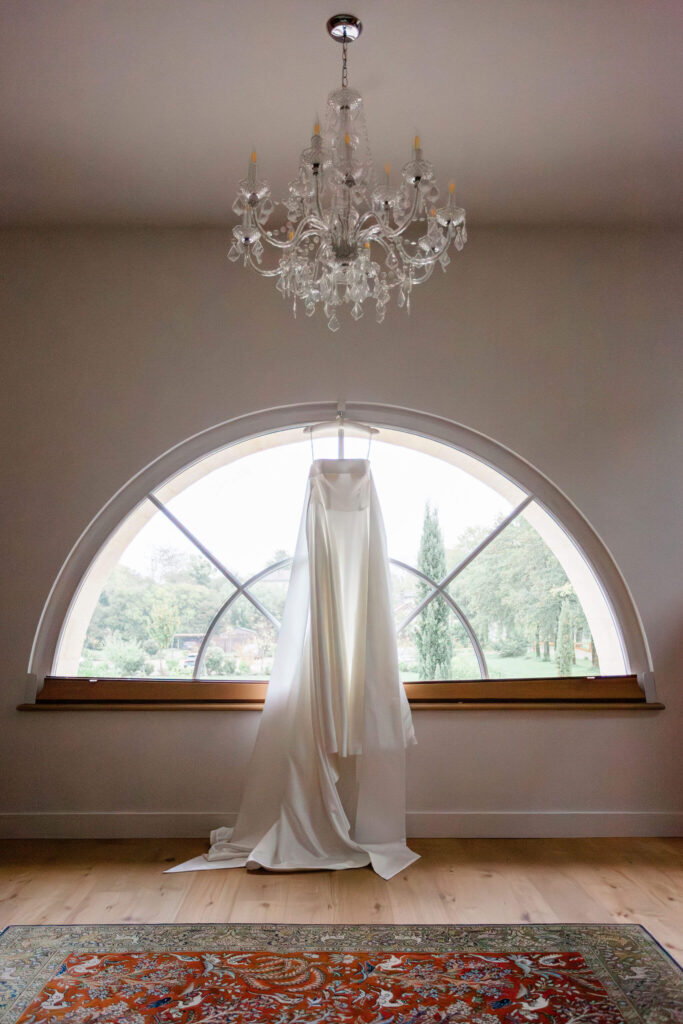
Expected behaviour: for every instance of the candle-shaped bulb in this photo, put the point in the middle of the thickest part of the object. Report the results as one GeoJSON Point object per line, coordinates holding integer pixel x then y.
{"type": "Point", "coordinates": [366, 245]}
{"type": "Point", "coordinates": [416, 144]}
{"type": "Point", "coordinates": [451, 188]}
{"type": "Point", "coordinates": [347, 139]}
{"type": "Point", "coordinates": [251, 173]}
{"type": "Point", "coordinates": [290, 236]}
{"type": "Point", "coordinates": [432, 212]}
{"type": "Point", "coordinates": [316, 140]}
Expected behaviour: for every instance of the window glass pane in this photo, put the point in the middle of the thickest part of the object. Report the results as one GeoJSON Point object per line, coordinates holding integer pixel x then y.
{"type": "Point", "coordinates": [522, 606]}
{"type": "Point", "coordinates": [436, 646]}
{"type": "Point", "coordinates": [242, 645]}
{"type": "Point", "coordinates": [154, 608]}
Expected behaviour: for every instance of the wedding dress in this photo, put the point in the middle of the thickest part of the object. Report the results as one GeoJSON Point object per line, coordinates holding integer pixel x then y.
{"type": "Point", "coordinates": [325, 787]}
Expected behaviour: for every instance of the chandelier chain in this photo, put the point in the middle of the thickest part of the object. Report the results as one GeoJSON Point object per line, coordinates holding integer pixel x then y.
{"type": "Point", "coordinates": [345, 70]}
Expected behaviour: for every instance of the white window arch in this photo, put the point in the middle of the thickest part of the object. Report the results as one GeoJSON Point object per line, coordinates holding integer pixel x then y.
{"type": "Point", "coordinates": [518, 503]}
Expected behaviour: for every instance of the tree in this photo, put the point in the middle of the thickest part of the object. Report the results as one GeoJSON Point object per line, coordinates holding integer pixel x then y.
{"type": "Point", "coordinates": [168, 564]}
{"type": "Point", "coordinates": [201, 570]}
{"type": "Point", "coordinates": [163, 624]}
{"type": "Point", "coordinates": [123, 608]}
{"type": "Point", "coordinates": [565, 641]}
{"type": "Point", "coordinates": [433, 633]}
{"type": "Point", "coordinates": [513, 591]}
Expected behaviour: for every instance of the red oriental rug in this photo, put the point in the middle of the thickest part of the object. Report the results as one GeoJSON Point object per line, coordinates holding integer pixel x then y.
{"type": "Point", "coordinates": [487, 982]}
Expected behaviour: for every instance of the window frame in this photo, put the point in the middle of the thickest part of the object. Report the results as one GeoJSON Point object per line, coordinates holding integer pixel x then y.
{"type": "Point", "coordinates": [54, 691]}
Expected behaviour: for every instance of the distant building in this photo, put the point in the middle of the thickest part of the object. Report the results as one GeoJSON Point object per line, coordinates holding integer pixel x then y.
{"type": "Point", "coordinates": [232, 640]}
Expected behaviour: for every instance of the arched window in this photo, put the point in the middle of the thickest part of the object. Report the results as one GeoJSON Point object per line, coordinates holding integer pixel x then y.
{"type": "Point", "coordinates": [490, 579]}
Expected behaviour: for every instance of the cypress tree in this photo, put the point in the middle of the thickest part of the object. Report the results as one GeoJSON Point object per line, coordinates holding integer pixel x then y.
{"type": "Point", "coordinates": [433, 635]}
{"type": "Point", "coordinates": [565, 643]}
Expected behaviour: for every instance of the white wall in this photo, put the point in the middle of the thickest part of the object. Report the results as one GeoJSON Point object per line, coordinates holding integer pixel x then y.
{"type": "Point", "coordinates": [563, 345]}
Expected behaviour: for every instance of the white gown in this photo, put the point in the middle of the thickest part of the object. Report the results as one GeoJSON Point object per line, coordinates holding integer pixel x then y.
{"type": "Point", "coordinates": [325, 786]}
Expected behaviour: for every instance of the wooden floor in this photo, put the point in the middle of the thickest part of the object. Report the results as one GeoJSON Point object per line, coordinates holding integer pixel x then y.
{"type": "Point", "coordinates": [456, 881]}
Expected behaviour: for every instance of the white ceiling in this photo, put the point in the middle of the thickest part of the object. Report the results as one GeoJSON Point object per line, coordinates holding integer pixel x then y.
{"type": "Point", "coordinates": [145, 111]}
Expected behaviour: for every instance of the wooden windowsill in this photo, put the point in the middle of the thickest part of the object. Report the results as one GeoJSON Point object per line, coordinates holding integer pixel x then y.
{"type": "Point", "coordinates": [597, 693]}
{"type": "Point", "coordinates": [454, 705]}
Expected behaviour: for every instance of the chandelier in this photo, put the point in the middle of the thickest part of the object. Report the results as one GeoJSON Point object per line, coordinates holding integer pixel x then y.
{"type": "Point", "coordinates": [347, 238]}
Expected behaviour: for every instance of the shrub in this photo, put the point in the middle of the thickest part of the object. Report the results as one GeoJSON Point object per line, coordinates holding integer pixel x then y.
{"type": "Point", "coordinates": [126, 657]}
{"type": "Point", "coordinates": [512, 647]}
{"type": "Point", "coordinates": [215, 661]}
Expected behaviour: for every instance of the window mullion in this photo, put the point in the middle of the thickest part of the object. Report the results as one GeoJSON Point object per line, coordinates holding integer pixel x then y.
{"type": "Point", "coordinates": [241, 587]}
{"type": "Point", "coordinates": [438, 589]}
{"type": "Point", "coordinates": [485, 542]}
{"type": "Point", "coordinates": [425, 601]}
{"type": "Point", "coordinates": [195, 540]}
{"type": "Point", "coordinates": [209, 633]}
{"type": "Point", "coordinates": [226, 604]}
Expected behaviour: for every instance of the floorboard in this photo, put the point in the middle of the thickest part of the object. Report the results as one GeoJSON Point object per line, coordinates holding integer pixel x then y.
{"type": "Point", "coordinates": [469, 881]}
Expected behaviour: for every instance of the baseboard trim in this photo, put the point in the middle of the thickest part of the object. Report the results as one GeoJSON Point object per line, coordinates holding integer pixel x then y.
{"type": "Point", "coordinates": [419, 824]}
{"type": "Point", "coordinates": [542, 824]}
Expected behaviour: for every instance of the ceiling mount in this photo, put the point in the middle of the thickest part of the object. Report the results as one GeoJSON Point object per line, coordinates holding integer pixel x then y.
{"type": "Point", "coordinates": [344, 28]}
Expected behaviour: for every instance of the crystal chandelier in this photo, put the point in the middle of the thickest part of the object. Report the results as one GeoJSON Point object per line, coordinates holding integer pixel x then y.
{"type": "Point", "coordinates": [347, 238]}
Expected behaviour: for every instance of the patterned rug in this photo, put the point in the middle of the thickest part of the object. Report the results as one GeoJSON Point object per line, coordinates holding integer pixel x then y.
{"type": "Point", "coordinates": [324, 974]}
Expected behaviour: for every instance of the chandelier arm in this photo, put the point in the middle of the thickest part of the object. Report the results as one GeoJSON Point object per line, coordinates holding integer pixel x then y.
{"type": "Point", "coordinates": [291, 243]}
{"type": "Point", "coordinates": [418, 262]}
{"type": "Point", "coordinates": [421, 261]}
{"type": "Point", "coordinates": [259, 270]}
{"type": "Point", "coordinates": [312, 232]}
{"type": "Point", "coordinates": [291, 246]}
{"type": "Point", "coordinates": [276, 271]}
{"type": "Point", "coordinates": [364, 217]}
{"type": "Point", "coordinates": [381, 242]}
{"type": "Point", "coordinates": [380, 225]}
{"type": "Point", "coordinates": [372, 234]}
{"type": "Point", "coordinates": [427, 266]}
{"type": "Point", "coordinates": [428, 271]}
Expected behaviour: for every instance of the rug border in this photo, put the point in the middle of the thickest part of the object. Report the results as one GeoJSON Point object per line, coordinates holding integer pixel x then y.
{"type": "Point", "coordinates": [358, 924]}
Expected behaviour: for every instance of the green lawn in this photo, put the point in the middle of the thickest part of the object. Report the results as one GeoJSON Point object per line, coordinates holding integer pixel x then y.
{"type": "Point", "coordinates": [464, 666]}
{"type": "Point", "coordinates": [512, 668]}
{"type": "Point", "coordinates": [533, 668]}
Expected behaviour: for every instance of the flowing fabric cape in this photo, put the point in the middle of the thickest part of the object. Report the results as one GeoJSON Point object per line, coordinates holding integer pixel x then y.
{"type": "Point", "coordinates": [325, 786]}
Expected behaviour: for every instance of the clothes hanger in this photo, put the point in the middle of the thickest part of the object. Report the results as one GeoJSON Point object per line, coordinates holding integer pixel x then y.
{"type": "Point", "coordinates": [342, 424]}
